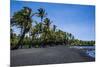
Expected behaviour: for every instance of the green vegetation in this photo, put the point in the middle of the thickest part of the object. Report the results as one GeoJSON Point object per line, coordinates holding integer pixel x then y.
{"type": "Point", "coordinates": [77, 42]}
{"type": "Point", "coordinates": [43, 33]}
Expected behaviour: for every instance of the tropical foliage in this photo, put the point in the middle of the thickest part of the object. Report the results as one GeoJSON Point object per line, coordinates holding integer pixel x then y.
{"type": "Point", "coordinates": [42, 34]}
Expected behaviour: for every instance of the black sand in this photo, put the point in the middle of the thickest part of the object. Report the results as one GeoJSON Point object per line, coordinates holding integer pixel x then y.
{"type": "Point", "coordinates": [50, 55]}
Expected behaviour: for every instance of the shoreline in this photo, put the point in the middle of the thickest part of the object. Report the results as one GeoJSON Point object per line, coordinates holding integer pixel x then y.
{"type": "Point", "coordinates": [52, 55]}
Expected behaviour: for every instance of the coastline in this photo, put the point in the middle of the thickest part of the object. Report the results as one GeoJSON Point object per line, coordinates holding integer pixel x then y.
{"type": "Point", "coordinates": [49, 55]}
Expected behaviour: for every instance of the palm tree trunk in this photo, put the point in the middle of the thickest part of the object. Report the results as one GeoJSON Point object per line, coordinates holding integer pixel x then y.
{"type": "Point", "coordinates": [20, 41]}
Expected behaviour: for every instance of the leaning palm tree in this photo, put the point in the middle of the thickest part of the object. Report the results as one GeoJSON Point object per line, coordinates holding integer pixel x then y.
{"type": "Point", "coordinates": [23, 20]}
{"type": "Point", "coordinates": [41, 13]}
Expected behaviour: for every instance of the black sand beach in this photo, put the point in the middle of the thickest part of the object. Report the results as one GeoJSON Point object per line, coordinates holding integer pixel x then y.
{"type": "Point", "coordinates": [49, 55]}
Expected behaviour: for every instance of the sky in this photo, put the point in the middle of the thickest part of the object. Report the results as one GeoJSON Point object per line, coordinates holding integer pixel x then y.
{"type": "Point", "coordinates": [76, 19]}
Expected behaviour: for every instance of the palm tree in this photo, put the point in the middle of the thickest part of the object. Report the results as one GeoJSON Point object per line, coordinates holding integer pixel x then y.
{"type": "Point", "coordinates": [47, 23]}
{"type": "Point", "coordinates": [33, 33]}
{"type": "Point", "coordinates": [53, 34]}
{"type": "Point", "coordinates": [70, 38]}
{"type": "Point", "coordinates": [36, 32]}
{"type": "Point", "coordinates": [54, 28]}
{"type": "Point", "coordinates": [46, 29]}
{"type": "Point", "coordinates": [22, 19]}
{"type": "Point", "coordinates": [41, 13]}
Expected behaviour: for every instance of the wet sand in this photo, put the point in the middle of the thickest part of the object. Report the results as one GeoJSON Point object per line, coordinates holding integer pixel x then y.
{"type": "Point", "coordinates": [49, 55]}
